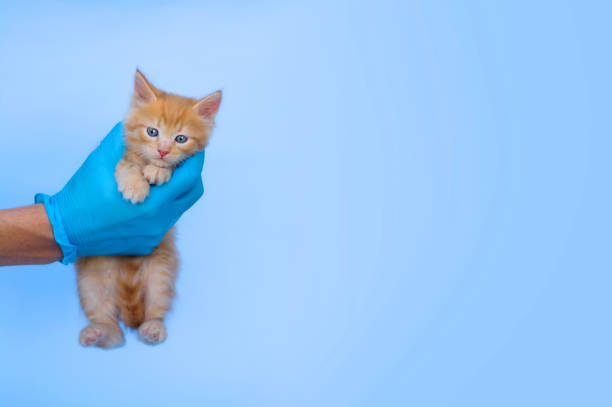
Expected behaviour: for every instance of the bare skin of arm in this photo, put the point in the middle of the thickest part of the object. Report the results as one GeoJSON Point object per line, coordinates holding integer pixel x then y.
{"type": "Point", "coordinates": [26, 237]}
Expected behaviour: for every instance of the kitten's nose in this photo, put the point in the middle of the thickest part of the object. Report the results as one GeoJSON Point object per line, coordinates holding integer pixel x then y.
{"type": "Point", "coordinates": [162, 153]}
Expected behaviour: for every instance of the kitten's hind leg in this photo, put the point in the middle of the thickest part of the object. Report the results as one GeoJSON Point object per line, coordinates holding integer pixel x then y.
{"type": "Point", "coordinates": [96, 277]}
{"type": "Point", "coordinates": [159, 271]}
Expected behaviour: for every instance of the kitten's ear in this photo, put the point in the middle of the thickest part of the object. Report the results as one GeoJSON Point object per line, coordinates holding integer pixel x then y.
{"type": "Point", "coordinates": [144, 92]}
{"type": "Point", "coordinates": [208, 107]}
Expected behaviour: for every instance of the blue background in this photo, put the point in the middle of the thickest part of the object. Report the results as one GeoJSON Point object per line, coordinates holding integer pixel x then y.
{"type": "Point", "coordinates": [407, 203]}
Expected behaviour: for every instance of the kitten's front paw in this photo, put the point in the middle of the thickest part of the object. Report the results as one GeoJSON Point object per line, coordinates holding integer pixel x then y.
{"type": "Point", "coordinates": [152, 332]}
{"type": "Point", "coordinates": [134, 188]}
{"type": "Point", "coordinates": [156, 175]}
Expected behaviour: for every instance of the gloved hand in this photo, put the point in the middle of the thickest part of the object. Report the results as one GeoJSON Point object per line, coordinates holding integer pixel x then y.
{"type": "Point", "coordinates": [90, 217]}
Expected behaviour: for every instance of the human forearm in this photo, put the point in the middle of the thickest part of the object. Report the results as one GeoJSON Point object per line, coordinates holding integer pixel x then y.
{"type": "Point", "coordinates": [26, 237]}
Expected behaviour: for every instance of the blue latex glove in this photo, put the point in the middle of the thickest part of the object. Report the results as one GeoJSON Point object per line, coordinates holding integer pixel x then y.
{"type": "Point", "coordinates": [90, 217]}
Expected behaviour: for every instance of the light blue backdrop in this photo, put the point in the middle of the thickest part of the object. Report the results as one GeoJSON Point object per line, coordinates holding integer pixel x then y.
{"type": "Point", "coordinates": [407, 203]}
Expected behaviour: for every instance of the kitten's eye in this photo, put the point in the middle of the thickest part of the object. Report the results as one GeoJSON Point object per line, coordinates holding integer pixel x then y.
{"type": "Point", "coordinates": [180, 138]}
{"type": "Point", "coordinates": [152, 132]}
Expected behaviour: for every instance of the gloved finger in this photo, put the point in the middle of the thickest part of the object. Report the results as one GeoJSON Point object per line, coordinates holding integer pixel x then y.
{"type": "Point", "coordinates": [186, 201]}
{"type": "Point", "coordinates": [109, 152]}
{"type": "Point", "coordinates": [176, 208]}
{"type": "Point", "coordinates": [113, 145]}
{"type": "Point", "coordinates": [183, 179]}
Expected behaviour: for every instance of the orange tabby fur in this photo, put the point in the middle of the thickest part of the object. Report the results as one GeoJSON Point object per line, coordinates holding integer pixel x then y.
{"type": "Point", "coordinates": [139, 289]}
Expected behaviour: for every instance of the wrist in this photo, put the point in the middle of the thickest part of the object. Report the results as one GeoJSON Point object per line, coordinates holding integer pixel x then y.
{"type": "Point", "coordinates": [54, 218]}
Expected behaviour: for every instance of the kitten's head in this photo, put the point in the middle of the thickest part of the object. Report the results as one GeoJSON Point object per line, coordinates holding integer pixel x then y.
{"type": "Point", "coordinates": [163, 128]}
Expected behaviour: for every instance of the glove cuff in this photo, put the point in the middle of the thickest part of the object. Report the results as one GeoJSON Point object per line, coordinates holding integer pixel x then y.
{"type": "Point", "coordinates": [59, 232]}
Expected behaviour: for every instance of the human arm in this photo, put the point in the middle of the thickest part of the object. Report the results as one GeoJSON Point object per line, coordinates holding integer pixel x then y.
{"type": "Point", "coordinates": [26, 237]}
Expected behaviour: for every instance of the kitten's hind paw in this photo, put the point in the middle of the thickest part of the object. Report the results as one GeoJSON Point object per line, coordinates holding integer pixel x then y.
{"type": "Point", "coordinates": [101, 335]}
{"type": "Point", "coordinates": [91, 335]}
{"type": "Point", "coordinates": [152, 332]}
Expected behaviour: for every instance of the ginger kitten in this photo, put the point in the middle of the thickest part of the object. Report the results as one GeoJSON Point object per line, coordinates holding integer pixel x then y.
{"type": "Point", "coordinates": [161, 130]}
